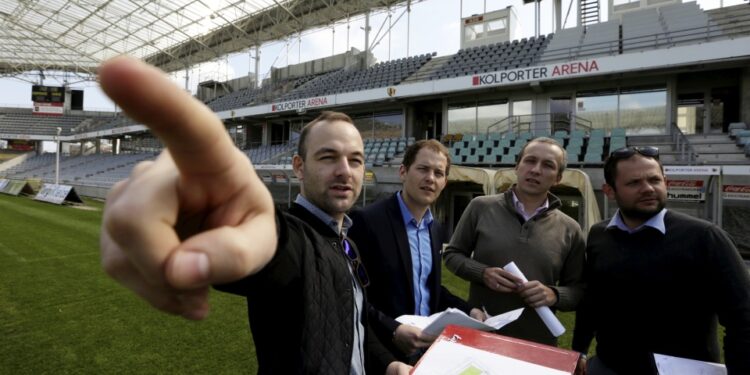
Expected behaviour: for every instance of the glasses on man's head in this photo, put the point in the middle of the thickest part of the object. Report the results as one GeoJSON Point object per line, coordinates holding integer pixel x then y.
{"type": "Point", "coordinates": [359, 269]}
{"type": "Point", "coordinates": [626, 152]}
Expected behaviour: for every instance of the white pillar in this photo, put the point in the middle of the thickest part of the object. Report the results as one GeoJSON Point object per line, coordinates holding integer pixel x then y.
{"type": "Point", "coordinates": [57, 156]}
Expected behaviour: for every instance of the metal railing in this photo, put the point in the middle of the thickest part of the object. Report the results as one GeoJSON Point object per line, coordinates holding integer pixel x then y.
{"type": "Point", "coordinates": [530, 123]}
{"type": "Point", "coordinates": [682, 145]}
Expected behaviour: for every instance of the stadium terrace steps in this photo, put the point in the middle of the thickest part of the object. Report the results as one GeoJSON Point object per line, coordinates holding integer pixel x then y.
{"type": "Point", "coordinates": [427, 69]}
{"type": "Point", "coordinates": [709, 148]}
{"type": "Point", "coordinates": [493, 57]}
{"type": "Point", "coordinates": [25, 122]}
{"type": "Point", "coordinates": [104, 170]}
{"type": "Point", "coordinates": [251, 95]}
{"type": "Point", "coordinates": [383, 74]}
{"type": "Point", "coordinates": [734, 20]}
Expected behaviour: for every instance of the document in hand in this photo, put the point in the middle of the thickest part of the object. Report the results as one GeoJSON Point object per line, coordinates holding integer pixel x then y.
{"type": "Point", "coordinates": [435, 323]}
{"type": "Point", "coordinates": [460, 350]}
{"type": "Point", "coordinates": [668, 365]}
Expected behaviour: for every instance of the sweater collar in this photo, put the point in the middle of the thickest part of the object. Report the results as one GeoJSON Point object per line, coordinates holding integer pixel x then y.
{"type": "Point", "coordinates": [553, 202]}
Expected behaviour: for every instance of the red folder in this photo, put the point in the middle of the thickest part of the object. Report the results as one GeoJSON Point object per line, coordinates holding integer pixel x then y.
{"type": "Point", "coordinates": [555, 359]}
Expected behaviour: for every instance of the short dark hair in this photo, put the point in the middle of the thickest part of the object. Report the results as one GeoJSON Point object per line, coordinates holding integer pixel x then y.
{"type": "Point", "coordinates": [610, 167]}
{"type": "Point", "coordinates": [324, 116]}
{"type": "Point", "coordinates": [411, 152]}
{"type": "Point", "coordinates": [564, 162]}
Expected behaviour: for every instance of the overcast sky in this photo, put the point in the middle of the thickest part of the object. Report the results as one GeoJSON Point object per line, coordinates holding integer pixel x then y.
{"type": "Point", "coordinates": [434, 27]}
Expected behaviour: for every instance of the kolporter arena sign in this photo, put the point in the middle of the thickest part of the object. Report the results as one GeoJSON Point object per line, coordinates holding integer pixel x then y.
{"type": "Point", "coordinates": [535, 73]}
{"type": "Point", "coordinates": [296, 105]}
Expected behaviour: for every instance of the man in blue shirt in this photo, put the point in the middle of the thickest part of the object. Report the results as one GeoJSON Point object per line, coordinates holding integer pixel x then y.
{"type": "Point", "coordinates": [400, 244]}
{"type": "Point", "coordinates": [659, 280]}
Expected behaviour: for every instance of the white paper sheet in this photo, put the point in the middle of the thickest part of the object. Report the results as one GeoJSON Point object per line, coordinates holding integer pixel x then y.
{"type": "Point", "coordinates": [435, 323]}
{"type": "Point", "coordinates": [668, 365]}
{"type": "Point", "coordinates": [548, 317]}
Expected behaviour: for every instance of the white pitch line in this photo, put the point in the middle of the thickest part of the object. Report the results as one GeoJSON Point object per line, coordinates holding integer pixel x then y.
{"type": "Point", "coordinates": [61, 257]}
{"type": "Point", "coordinates": [11, 253]}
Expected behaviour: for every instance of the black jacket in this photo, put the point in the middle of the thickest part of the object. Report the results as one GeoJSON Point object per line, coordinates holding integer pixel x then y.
{"type": "Point", "coordinates": [300, 305]}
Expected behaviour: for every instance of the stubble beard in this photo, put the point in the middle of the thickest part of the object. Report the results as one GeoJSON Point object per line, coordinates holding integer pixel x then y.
{"type": "Point", "coordinates": [642, 214]}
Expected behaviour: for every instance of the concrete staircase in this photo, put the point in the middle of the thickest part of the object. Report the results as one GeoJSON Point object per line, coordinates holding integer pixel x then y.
{"type": "Point", "coordinates": [427, 69]}
{"type": "Point", "coordinates": [711, 149]}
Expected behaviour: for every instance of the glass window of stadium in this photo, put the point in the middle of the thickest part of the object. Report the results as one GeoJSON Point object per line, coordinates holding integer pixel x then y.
{"type": "Point", "coordinates": [496, 26]}
{"type": "Point", "coordinates": [639, 110]}
{"type": "Point", "coordinates": [522, 116]}
{"type": "Point", "coordinates": [380, 125]}
{"type": "Point", "coordinates": [477, 117]}
{"type": "Point", "coordinates": [643, 111]}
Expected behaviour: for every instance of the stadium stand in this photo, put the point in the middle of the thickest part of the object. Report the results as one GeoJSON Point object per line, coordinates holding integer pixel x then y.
{"type": "Point", "coordinates": [388, 73]}
{"type": "Point", "coordinates": [104, 170]}
{"type": "Point", "coordinates": [493, 57]}
{"type": "Point", "coordinates": [250, 96]}
{"type": "Point", "coordinates": [24, 122]}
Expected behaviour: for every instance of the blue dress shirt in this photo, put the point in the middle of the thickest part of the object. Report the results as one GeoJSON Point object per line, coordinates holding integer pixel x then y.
{"type": "Point", "coordinates": [421, 255]}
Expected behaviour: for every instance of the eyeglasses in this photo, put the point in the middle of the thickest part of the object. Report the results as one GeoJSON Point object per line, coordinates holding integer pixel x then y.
{"type": "Point", "coordinates": [359, 269]}
{"type": "Point", "coordinates": [626, 152]}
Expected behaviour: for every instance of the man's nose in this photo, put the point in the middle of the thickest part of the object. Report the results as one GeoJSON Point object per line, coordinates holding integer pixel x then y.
{"type": "Point", "coordinates": [343, 168]}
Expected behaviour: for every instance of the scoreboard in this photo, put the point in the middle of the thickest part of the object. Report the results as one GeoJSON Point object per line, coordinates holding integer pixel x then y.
{"type": "Point", "coordinates": [47, 94]}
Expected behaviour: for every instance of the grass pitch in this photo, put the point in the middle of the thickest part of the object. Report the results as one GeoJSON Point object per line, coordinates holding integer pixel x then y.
{"type": "Point", "coordinates": [59, 312]}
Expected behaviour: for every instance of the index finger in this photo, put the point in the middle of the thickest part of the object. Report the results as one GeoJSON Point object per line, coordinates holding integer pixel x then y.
{"type": "Point", "coordinates": [196, 138]}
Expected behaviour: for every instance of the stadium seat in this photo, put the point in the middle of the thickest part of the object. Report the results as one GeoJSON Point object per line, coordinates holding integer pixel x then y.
{"type": "Point", "coordinates": [592, 158]}
{"type": "Point", "coordinates": [560, 134]}
{"type": "Point", "coordinates": [735, 127]}
{"type": "Point", "coordinates": [618, 132]}
{"type": "Point", "coordinates": [508, 159]}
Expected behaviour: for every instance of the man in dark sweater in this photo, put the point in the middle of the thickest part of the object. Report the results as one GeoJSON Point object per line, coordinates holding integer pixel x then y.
{"type": "Point", "coordinates": [657, 280]}
{"type": "Point", "coordinates": [200, 216]}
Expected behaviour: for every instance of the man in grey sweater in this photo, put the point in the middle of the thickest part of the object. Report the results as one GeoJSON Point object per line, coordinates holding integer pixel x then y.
{"type": "Point", "coordinates": [522, 225]}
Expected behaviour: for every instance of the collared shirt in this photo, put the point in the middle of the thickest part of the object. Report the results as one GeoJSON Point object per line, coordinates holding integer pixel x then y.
{"type": "Point", "coordinates": [358, 358]}
{"type": "Point", "coordinates": [324, 217]}
{"type": "Point", "coordinates": [656, 222]}
{"type": "Point", "coordinates": [420, 247]}
{"type": "Point", "coordinates": [521, 209]}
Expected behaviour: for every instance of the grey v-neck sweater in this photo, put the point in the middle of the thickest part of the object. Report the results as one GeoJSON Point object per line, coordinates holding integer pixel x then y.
{"type": "Point", "coordinates": [549, 247]}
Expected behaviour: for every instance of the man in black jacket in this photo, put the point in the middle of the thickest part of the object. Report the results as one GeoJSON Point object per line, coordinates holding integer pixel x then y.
{"type": "Point", "coordinates": [658, 280]}
{"type": "Point", "coordinates": [400, 244]}
{"type": "Point", "coordinates": [200, 216]}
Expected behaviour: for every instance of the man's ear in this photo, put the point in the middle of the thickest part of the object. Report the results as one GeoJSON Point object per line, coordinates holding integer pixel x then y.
{"type": "Point", "coordinates": [609, 191]}
{"type": "Point", "coordinates": [298, 167]}
{"type": "Point", "coordinates": [402, 173]}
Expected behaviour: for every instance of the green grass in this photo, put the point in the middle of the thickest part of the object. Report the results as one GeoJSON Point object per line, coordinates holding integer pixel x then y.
{"type": "Point", "coordinates": [59, 313]}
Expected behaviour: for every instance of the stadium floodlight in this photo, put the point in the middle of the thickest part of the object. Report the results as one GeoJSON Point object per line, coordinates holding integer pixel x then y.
{"type": "Point", "coordinates": [57, 156]}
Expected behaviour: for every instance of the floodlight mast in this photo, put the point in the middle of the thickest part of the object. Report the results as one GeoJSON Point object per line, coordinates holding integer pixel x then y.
{"type": "Point", "coordinates": [57, 156]}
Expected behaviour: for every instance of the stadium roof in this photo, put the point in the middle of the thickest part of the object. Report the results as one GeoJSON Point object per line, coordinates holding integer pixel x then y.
{"type": "Point", "coordinates": [77, 35]}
